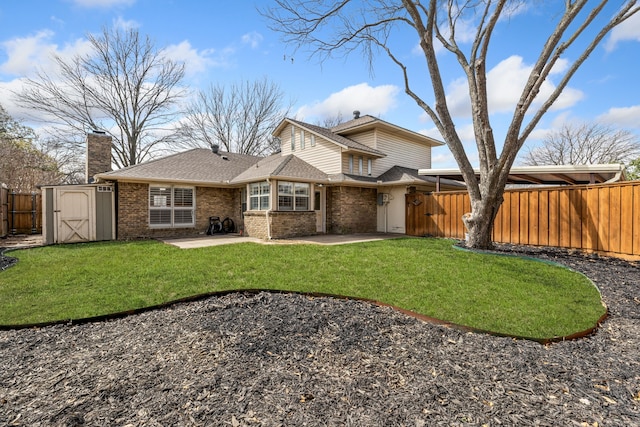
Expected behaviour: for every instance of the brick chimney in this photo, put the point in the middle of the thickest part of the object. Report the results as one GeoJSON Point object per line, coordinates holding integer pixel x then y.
{"type": "Point", "coordinates": [98, 154]}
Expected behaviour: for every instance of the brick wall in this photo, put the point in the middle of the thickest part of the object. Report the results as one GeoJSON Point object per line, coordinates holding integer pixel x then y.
{"type": "Point", "coordinates": [133, 211]}
{"type": "Point", "coordinates": [351, 210]}
{"type": "Point", "coordinates": [98, 154]}
{"type": "Point", "coordinates": [255, 224]}
{"type": "Point", "coordinates": [222, 202]}
{"type": "Point", "coordinates": [284, 225]}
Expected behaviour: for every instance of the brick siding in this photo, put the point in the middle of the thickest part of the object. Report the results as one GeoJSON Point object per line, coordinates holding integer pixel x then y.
{"type": "Point", "coordinates": [351, 210]}
{"type": "Point", "coordinates": [283, 224]}
{"type": "Point", "coordinates": [133, 211]}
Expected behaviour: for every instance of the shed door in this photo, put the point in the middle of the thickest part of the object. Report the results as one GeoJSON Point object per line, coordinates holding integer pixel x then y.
{"type": "Point", "coordinates": [75, 215]}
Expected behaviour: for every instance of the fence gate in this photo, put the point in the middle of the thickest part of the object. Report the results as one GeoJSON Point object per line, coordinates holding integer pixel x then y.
{"type": "Point", "coordinates": [75, 215]}
{"type": "Point", "coordinates": [419, 220]}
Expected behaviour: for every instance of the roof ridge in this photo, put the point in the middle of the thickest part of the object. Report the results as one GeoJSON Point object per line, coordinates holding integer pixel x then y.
{"type": "Point", "coordinates": [282, 165]}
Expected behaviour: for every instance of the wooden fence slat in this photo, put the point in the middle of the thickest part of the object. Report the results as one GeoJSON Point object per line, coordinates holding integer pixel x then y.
{"type": "Point", "coordinates": [604, 219]}
{"type": "Point", "coordinates": [554, 219]}
{"type": "Point", "coordinates": [534, 218]}
{"type": "Point", "coordinates": [626, 220]}
{"type": "Point", "coordinates": [635, 214]}
{"type": "Point", "coordinates": [615, 220]}
{"type": "Point", "coordinates": [524, 218]}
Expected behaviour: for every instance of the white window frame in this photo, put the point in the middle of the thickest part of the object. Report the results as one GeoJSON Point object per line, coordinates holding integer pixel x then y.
{"type": "Point", "coordinates": [294, 196]}
{"type": "Point", "coordinates": [293, 138]}
{"type": "Point", "coordinates": [369, 166]}
{"type": "Point", "coordinates": [360, 165]}
{"type": "Point", "coordinates": [351, 163]}
{"type": "Point", "coordinates": [259, 196]}
{"type": "Point", "coordinates": [163, 212]}
{"type": "Point", "coordinates": [313, 140]}
{"type": "Point", "coordinates": [302, 141]}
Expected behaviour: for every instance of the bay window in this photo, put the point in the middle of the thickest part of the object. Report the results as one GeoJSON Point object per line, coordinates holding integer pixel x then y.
{"type": "Point", "coordinates": [259, 196]}
{"type": "Point", "coordinates": [293, 196]}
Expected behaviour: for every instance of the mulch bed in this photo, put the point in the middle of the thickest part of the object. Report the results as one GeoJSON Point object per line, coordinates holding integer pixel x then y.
{"type": "Point", "coordinates": [272, 359]}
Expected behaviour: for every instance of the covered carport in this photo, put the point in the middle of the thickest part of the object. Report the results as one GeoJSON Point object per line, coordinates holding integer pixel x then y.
{"type": "Point", "coordinates": [543, 175]}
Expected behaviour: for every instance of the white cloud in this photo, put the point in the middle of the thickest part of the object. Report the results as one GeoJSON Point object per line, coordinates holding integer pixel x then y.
{"type": "Point", "coordinates": [125, 24]}
{"type": "Point", "coordinates": [103, 3]}
{"type": "Point", "coordinates": [628, 117]}
{"type": "Point", "coordinates": [504, 86]}
{"type": "Point", "coordinates": [198, 61]}
{"type": "Point", "coordinates": [253, 39]}
{"type": "Point", "coordinates": [25, 54]}
{"type": "Point", "coordinates": [370, 100]}
{"type": "Point", "coordinates": [628, 30]}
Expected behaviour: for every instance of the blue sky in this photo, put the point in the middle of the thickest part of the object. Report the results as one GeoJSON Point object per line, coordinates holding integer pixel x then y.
{"type": "Point", "coordinates": [229, 41]}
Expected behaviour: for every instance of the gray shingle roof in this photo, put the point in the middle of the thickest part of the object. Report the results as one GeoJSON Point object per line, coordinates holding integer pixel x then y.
{"type": "Point", "coordinates": [363, 122]}
{"type": "Point", "coordinates": [353, 123]}
{"type": "Point", "coordinates": [403, 175]}
{"type": "Point", "coordinates": [199, 165]}
{"type": "Point", "coordinates": [288, 167]}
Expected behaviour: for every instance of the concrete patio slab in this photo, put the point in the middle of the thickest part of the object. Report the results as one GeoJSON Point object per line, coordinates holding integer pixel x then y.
{"type": "Point", "coordinates": [322, 239]}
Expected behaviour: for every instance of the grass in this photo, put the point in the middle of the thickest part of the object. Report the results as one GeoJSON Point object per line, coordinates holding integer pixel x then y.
{"type": "Point", "coordinates": [501, 294]}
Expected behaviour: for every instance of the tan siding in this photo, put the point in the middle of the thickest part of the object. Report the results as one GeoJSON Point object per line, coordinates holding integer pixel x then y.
{"type": "Point", "coordinates": [367, 138]}
{"type": "Point", "coordinates": [400, 153]}
{"type": "Point", "coordinates": [324, 155]}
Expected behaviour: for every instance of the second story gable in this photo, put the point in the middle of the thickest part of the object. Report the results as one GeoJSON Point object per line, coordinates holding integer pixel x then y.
{"type": "Point", "coordinates": [364, 146]}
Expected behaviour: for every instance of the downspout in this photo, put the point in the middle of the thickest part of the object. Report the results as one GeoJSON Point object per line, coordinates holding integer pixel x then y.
{"type": "Point", "coordinates": [269, 210]}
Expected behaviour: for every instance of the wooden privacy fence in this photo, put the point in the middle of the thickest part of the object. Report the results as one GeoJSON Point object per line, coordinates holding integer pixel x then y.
{"type": "Point", "coordinates": [20, 213]}
{"type": "Point", "coordinates": [601, 218]}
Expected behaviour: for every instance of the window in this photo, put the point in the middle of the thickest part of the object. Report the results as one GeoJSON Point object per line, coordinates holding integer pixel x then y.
{"type": "Point", "coordinates": [369, 167]}
{"type": "Point", "coordinates": [259, 196]}
{"type": "Point", "coordinates": [171, 206]}
{"type": "Point", "coordinates": [293, 138]}
{"type": "Point", "coordinates": [293, 196]}
{"type": "Point", "coordinates": [313, 140]}
{"type": "Point", "coordinates": [359, 165]}
{"type": "Point", "coordinates": [302, 139]}
{"type": "Point", "coordinates": [350, 163]}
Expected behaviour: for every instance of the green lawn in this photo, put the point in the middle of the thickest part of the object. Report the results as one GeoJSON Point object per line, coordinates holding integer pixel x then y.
{"type": "Point", "coordinates": [502, 294]}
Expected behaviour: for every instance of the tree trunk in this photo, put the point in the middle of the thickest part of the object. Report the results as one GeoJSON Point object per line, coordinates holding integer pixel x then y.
{"type": "Point", "coordinates": [479, 222]}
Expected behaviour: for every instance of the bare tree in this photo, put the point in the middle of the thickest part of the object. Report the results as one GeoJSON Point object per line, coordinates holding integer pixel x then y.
{"type": "Point", "coordinates": [584, 144]}
{"type": "Point", "coordinates": [124, 86]}
{"type": "Point", "coordinates": [332, 121]}
{"type": "Point", "coordinates": [368, 26]}
{"type": "Point", "coordinates": [239, 119]}
{"type": "Point", "coordinates": [22, 165]}
{"type": "Point", "coordinates": [633, 169]}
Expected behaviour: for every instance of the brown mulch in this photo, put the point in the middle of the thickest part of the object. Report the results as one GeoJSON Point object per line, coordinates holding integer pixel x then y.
{"type": "Point", "coordinates": [290, 360]}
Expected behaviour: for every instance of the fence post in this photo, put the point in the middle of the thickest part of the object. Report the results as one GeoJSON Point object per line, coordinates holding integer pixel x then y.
{"type": "Point", "coordinates": [13, 212]}
{"type": "Point", "coordinates": [34, 216]}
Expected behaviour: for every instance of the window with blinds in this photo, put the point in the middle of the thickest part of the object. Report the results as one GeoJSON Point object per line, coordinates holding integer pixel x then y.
{"type": "Point", "coordinates": [171, 206]}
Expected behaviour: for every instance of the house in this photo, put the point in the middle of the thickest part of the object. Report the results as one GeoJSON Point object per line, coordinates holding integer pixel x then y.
{"type": "Point", "coordinates": [351, 178]}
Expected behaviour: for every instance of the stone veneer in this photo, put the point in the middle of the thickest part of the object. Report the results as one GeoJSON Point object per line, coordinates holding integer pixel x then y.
{"type": "Point", "coordinates": [133, 211]}
{"type": "Point", "coordinates": [352, 210]}
{"type": "Point", "coordinates": [284, 224]}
